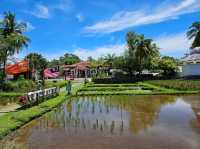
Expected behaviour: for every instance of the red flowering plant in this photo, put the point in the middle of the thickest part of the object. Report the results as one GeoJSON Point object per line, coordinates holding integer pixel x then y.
{"type": "Point", "coordinates": [23, 100]}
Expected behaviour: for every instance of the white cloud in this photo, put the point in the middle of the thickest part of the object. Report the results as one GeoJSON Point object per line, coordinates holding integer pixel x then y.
{"type": "Point", "coordinates": [41, 11]}
{"type": "Point", "coordinates": [63, 5]}
{"type": "Point", "coordinates": [29, 26]}
{"type": "Point", "coordinates": [173, 44]}
{"type": "Point", "coordinates": [117, 49]}
{"type": "Point", "coordinates": [125, 19]}
{"type": "Point", "coordinates": [80, 17]}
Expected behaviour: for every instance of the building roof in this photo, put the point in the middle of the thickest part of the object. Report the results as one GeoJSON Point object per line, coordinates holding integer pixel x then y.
{"type": "Point", "coordinates": [20, 67]}
{"type": "Point", "coordinates": [193, 57]}
{"type": "Point", "coordinates": [84, 65]}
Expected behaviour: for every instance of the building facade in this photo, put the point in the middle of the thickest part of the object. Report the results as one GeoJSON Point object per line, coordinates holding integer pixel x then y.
{"type": "Point", "coordinates": [191, 64]}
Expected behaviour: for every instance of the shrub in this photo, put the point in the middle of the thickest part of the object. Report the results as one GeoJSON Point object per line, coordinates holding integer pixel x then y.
{"type": "Point", "coordinates": [19, 86]}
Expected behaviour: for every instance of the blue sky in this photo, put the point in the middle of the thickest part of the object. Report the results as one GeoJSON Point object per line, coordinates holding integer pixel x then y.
{"type": "Point", "coordinates": [97, 27]}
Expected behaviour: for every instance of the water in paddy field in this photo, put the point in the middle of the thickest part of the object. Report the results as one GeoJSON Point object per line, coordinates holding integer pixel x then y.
{"type": "Point", "coordinates": [114, 122]}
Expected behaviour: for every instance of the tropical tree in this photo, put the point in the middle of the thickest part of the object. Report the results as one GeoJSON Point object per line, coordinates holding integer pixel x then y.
{"type": "Point", "coordinates": [130, 60]}
{"type": "Point", "coordinates": [90, 59]}
{"type": "Point", "coordinates": [37, 64]}
{"type": "Point", "coordinates": [145, 51]}
{"type": "Point", "coordinates": [69, 59]}
{"type": "Point", "coordinates": [108, 60]}
{"type": "Point", "coordinates": [194, 33]}
{"type": "Point", "coordinates": [168, 65]}
{"type": "Point", "coordinates": [140, 52]}
{"type": "Point", "coordinates": [53, 63]}
{"type": "Point", "coordinates": [12, 39]}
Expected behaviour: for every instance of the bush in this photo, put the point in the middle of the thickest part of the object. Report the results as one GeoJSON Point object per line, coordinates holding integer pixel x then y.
{"type": "Point", "coordinates": [19, 86]}
{"type": "Point", "coordinates": [59, 84]}
{"type": "Point", "coordinates": [127, 79]}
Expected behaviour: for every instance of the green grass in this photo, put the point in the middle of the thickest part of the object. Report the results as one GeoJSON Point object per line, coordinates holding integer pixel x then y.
{"type": "Point", "coordinates": [129, 89]}
{"type": "Point", "coordinates": [135, 92]}
{"type": "Point", "coordinates": [7, 97]}
{"type": "Point", "coordinates": [183, 85]}
{"type": "Point", "coordinates": [115, 88]}
{"type": "Point", "coordinates": [59, 84]}
{"type": "Point", "coordinates": [113, 85]}
{"type": "Point", "coordinates": [11, 94]}
{"type": "Point", "coordinates": [15, 120]}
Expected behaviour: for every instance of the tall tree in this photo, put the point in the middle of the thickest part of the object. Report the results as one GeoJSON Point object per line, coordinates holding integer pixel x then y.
{"type": "Point", "coordinates": [132, 42]}
{"type": "Point", "coordinates": [108, 59]}
{"type": "Point", "coordinates": [12, 38]}
{"type": "Point", "coordinates": [69, 59]}
{"type": "Point", "coordinates": [37, 64]}
{"type": "Point", "coordinates": [194, 33]}
{"type": "Point", "coordinates": [144, 51]}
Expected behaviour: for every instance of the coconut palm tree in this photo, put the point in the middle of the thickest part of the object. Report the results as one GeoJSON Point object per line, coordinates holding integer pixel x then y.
{"type": "Point", "coordinates": [144, 50]}
{"type": "Point", "coordinates": [109, 59]}
{"type": "Point", "coordinates": [194, 33]}
{"type": "Point", "coordinates": [13, 40]}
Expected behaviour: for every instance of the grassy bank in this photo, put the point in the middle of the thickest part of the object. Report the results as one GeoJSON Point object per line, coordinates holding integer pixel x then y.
{"type": "Point", "coordinates": [14, 120]}
{"type": "Point", "coordinates": [18, 88]}
{"type": "Point", "coordinates": [22, 86]}
{"type": "Point", "coordinates": [7, 97]}
{"type": "Point", "coordinates": [141, 88]}
{"type": "Point", "coordinates": [183, 85]}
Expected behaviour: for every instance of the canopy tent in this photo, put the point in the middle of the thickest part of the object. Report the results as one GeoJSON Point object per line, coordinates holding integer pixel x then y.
{"type": "Point", "coordinates": [49, 74]}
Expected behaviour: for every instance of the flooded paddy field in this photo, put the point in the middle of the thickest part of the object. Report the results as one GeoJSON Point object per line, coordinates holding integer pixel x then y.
{"type": "Point", "coordinates": [114, 122]}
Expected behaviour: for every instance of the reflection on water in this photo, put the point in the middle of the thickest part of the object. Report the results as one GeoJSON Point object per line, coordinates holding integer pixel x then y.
{"type": "Point", "coordinates": [115, 122]}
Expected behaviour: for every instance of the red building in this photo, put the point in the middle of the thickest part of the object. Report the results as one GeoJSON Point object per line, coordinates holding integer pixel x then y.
{"type": "Point", "coordinates": [78, 70]}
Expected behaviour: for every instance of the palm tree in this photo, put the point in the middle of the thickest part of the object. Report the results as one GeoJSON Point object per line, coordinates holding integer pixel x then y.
{"type": "Point", "coordinates": [194, 33]}
{"type": "Point", "coordinates": [109, 59]}
{"type": "Point", "coordinates": [132, 40]}
{"type": "Point", "coordinates": [145, 49]}
{"type": "Point", "coordinates": [11, 33]}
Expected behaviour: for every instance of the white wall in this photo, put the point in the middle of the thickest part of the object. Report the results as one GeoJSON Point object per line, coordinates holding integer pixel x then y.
{"type": "Point", "coordinates": [191, 70]}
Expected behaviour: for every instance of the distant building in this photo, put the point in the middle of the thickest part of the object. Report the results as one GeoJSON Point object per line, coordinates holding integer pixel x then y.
{"type": "Point", "coordinates": [78, 70]}
{"type": "Point", "coordinates": [17, 69]}
{"type": "Point", "coordinates": [191, 64]}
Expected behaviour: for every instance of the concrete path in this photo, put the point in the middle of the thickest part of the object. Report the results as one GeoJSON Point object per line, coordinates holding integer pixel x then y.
{"type": "Point", "coordinates": [8, 108]}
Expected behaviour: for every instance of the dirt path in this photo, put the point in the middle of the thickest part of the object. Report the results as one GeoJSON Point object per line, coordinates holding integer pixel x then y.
{"type": "Point", "coordinates": [8, 108]}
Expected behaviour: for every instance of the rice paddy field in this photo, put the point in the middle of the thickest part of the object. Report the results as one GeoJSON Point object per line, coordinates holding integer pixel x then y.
{"type": "Point", "coordinates": [183, 85]}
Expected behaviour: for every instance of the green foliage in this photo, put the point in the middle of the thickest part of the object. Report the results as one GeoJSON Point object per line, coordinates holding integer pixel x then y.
{"type": "Point", "coordinates": [194, 33]}
{"type": "Point", "coordinates": [183, 85]}
{"type": "Point", "coordinates": [69, 59]}
{"type": "Point", "coordinates": [12, 39]}
{"type": "Point", "coordinates": [53, 63]}
{"type": "Point", "coordinates": [37, 63]}
{"type": "Point", "coordinates": [14, 120]}
{"type": "Point", "coordinates": [108, 59]}
{"type": "Point", "coordinates": [146, 88]}
{"type": "Point", "coordinates": [60, 84]}
{"type": "Point", "coordinates": [21, 86]}
{"type": "Point", "coordinates": [138, 56]}
{"type": "Point", "coordinates": [168, 65]}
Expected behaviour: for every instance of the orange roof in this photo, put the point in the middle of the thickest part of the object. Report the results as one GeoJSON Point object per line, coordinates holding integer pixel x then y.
{"type": "Point", "coordinates": [20, 67]}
